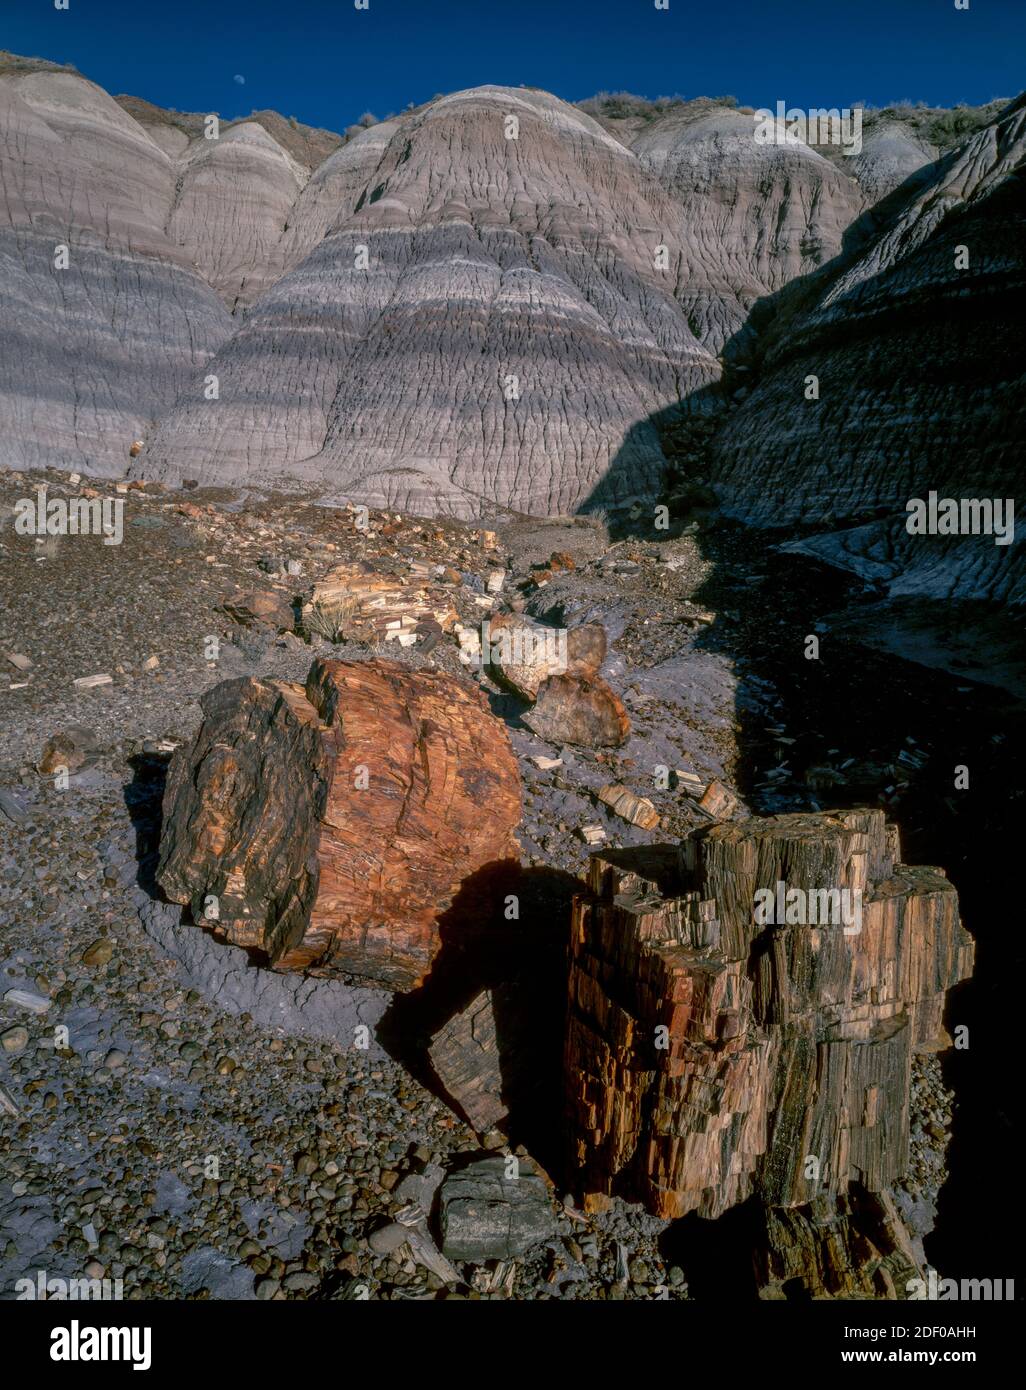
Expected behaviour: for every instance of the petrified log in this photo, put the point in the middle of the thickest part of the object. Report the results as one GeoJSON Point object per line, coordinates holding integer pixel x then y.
{"type": "Point", "coordinates": [850, 1247]}
{"type": "Point", "coordinates": [329, 827]}
{"type": "Point", "coordinates": [524, 653]}
{"type": "Point", "coordinates": [575, 709]}
{"type": "Point", "coordinates": [735, 1026]}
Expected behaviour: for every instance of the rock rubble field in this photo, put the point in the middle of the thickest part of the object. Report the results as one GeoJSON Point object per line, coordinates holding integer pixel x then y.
{"type": "Point", "coordinates": [208, 1127]}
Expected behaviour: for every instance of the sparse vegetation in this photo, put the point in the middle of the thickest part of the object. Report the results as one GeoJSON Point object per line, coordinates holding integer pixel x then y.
{"type": "Point", "coordinates": [14, 63]}
{"type": "Point", "coordinates": [941, 126]}
{"type": "Point", "coordinates": [618, 106]}
{"type": "Point", "coordinates": [938, 126]}
{"type": "Point", "coordinates": [329, 620]}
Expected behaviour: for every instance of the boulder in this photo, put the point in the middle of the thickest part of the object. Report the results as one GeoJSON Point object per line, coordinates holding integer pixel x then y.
{"type": "Point", "coordinates": [329, 827]}
{"type": "Point", "coordinates": [524, 653]}
{"type": "Point", "coordinates": [488, 1215]}
{"type": "Point", "coordinates": [579, 710]}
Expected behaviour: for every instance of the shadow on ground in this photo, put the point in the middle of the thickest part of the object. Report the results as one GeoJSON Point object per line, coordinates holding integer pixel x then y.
{"type": "Point", "coordinates": [524, 963]}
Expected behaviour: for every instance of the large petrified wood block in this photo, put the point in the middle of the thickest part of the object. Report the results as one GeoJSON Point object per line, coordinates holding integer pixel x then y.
{"type": "Point", "coordinates": [725, 1037]}
{"type": "Point", "coordinates": [329, 827]}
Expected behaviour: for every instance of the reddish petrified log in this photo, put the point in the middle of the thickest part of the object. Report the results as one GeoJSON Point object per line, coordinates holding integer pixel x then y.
{"type": "Point", "coordinates": [330, 827]}
{"type": "Point", "coordinates": [711, 1053]}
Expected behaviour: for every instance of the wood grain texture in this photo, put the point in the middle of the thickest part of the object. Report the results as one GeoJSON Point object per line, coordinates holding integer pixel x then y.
{"type": "Point", "coordinates": [335, 824]}
{"type": "Point", "coordinates": [710, 1057]}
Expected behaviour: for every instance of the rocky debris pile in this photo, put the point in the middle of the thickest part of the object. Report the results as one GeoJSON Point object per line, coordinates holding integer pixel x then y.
{"type": "Point", "coordinates": [368, 602]}
{"type": "Point", "coordinates": [557, 671]}
{"type": "Point", "coordinates": [330, 826]}
{"type": "Point", "coordinates": [744, 1008]}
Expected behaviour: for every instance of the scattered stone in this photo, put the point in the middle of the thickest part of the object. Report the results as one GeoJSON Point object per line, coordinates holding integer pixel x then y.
{"type": "Point", "coordinates": [14, 1039]}
{"type": "Point", "coordinates": [486, 1215]}
{"type": "Point", "coordinates": [25, 999]}
{"type": "Point", "coordinates": [386, 1240]}
{"type": "Point", "coordinates": [623, 803]}
{"type": "Point", "coordinates": [91, 682]}
{"type": "Point", "coordinates": [71, 748]}
{"type": "Point", "coordinates": [99, 953]}
{"type": "Point", "coordinates": [21, 662]}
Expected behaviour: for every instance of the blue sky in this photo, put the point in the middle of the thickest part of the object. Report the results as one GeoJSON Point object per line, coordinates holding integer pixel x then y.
{"type": "Point", "coordinates": [325, 62]}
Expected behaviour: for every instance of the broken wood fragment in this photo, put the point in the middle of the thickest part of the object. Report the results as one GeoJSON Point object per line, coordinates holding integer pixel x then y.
{"type": "Point", "coordinates": [370, 603]}
{"type": "Point", "coordinates": [465, 1056]}
{"type": "Point", "coordinates": [572, 709]}
{"type": "Point", "coordinates": [638, 810]}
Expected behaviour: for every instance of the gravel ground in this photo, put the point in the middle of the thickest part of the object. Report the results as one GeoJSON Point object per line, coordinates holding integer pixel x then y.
{"type": "Point", "coordinates": [195, 1126]}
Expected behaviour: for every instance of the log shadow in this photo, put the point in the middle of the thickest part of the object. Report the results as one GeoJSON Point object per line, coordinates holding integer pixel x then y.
{"type": "Point", "coordinates": [524, 963]}
{"type": "Point", "coordinates": [144, 798]}
{"type": "Point", "coordinates": [716, 1256]}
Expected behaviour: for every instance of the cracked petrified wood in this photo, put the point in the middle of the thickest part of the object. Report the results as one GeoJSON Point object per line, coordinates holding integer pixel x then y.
{"type": "Point", "coordinates": [711, 1054]}
{"type": "Point", "coordinates": [852, 1246]}
{"type": "Point", "coordinates": [330, 826]}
